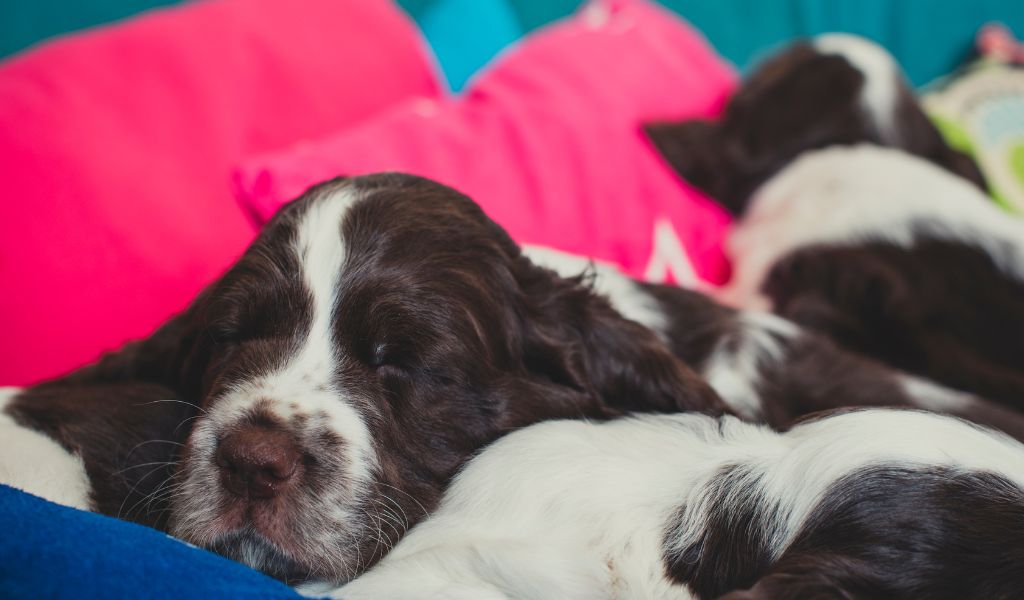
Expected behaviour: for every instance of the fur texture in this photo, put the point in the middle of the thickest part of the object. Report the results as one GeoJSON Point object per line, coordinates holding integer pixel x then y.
{"type": "Point", "coordinates": [894, 253]}
{"type": "Point", "coordinates": [769, 369]}
{"type": "Point", "coordinates": [834, 90]}
{"type": "Point", "coordinates": [867, 504]}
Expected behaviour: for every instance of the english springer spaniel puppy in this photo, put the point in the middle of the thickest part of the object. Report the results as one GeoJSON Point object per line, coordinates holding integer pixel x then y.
{"type": "Point", "coordinates": [887, 250]}
{"type": "Point", "coordinates": [862, 504]}
{"type": "Point", "coordinates": [379, 332]}
{"type": "Point", "coordinates": [766, 368]}
{"type": "Point", "coordinates": [836, 89]}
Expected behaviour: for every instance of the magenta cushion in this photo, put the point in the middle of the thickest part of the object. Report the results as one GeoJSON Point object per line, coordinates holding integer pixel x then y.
{"type": "Point", "coordinates": [116, 147]}
{"type": "Point", "coordinates": [548, 141]}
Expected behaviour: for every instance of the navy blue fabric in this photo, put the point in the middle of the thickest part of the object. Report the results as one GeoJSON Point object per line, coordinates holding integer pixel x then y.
{"type": "Point", "coordinates": [51, 551]}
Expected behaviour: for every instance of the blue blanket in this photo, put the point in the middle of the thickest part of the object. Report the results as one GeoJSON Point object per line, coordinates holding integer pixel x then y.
{"type": "Point", "coordinates": [51, 551]}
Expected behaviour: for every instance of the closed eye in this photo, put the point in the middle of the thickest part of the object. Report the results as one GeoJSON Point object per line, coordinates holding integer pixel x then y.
{"type": "Point", "coordinates": [389, 357]}
{"type": "Point", "coordinates": [233, 335]}
{"type": "Point", "coordinates": [393, 360]}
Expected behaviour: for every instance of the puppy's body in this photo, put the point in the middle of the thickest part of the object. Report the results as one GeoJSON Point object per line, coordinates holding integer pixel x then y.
{"type": "Point", "coordinates": [836, 89]}
{"type": "Point", "coordinates": [894, 258]}
{"type": "Point", "coordinates": [856, 219]}
{"type": "Point", "coordinates": [867, 504]}
{"type": "Point", "coordinates": [766, 368]}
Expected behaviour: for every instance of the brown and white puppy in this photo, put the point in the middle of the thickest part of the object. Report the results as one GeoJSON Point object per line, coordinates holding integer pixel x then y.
{"type": "Point", "coordinates": [766, 368]}
{"type": "Point", "coordinates": [379, 332]}
{"type": "Point", "coordinates": [893, 252]}
{"type": "Point", "coordinates": [859, 504]}
{"type": "Point", "coordinates": [836, 89]}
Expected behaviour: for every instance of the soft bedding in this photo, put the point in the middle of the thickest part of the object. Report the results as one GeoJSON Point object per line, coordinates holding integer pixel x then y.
{"type": "Point", "coordinates": [51, 551]}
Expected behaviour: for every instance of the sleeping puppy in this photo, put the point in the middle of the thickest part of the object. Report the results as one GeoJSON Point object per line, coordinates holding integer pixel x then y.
{"type": "Point", "coordinates": [766, 368]}
{"type": "Point", "coordinates": [378, 333]}
{"type": "Point", "coordinates": [910, 265]}
{"type": "Point", "coordinates": [858, 505]}
{"type": "Point", "coordinates": [894, 253]}
{"type": "Point", "coordinates": [836, 89]}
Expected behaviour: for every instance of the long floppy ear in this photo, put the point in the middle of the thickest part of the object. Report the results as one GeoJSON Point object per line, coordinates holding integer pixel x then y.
{"type": "Point", "coordinates": [173, 356]}
{"type": "Point", "coordinates": [703, 156]}
{"type": "Point", "coordinates": [575, 339]}
{"type": "Point", "coordinates": [127, 412]}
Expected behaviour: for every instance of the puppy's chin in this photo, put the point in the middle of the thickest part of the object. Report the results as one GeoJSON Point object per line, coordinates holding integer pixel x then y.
{"type": "Point", "coordinates": [292, 539]}
{"type": "Point", "coordinates": [252, 549]}
{"type": "Point", "coordinates": [295, 560]}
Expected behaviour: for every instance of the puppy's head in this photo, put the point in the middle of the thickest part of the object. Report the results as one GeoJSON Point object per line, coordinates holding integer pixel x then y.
{"type": "Point", "coordinates": [379, 332]}
{"type": "Point", "coordinates": [837, 89]}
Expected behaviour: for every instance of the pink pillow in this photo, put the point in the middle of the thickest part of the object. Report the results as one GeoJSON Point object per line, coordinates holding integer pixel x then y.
{"type": "Point", "coordinates": [548, 141]}
{"type": "Point", "coordinates": [116, 147]}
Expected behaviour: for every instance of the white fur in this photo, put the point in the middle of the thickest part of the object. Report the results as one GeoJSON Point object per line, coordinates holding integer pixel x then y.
{"type": "Point", "coordinates": [734, 367]}
{"type": "Point", "coordinates": [37, 464]}
{"type": "Point", "coordinates": [625, 295]}
{"type": "Point", "coordinates": [303, 385]}
{"type": "Point", "coordinates": [931, 396]}
{"type": "Point", "coordinates": [858, 194]}
{"type": "Point", "coordinates": [881, 78]}
{"type": "Point", "coordinates": [575, 510]}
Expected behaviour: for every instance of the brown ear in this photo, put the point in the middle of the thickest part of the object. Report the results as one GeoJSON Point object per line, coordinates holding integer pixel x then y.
{"type": "Point", "coordinates": [173, 357]}
{"type": "Point", "coordinates": [701, 153]}
{"type": "Point", "coordinates": [633, 370]}
{"type": "Point", "coordinates": [920, 136]}
{"type": "Point", "coordinates": [575, 339]}
{"type": "Point", "coordinates": [131, 409]}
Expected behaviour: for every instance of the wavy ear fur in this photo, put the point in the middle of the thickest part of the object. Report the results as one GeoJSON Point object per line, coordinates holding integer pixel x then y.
{"type": "Point", "coordinates": [126, 417]}
{"type": "Point", "coordinates": [172, 356]}
{"type": "Point", "coordinates": [576, 340]}
{"type": "Point", "coordinates": [702, 156]}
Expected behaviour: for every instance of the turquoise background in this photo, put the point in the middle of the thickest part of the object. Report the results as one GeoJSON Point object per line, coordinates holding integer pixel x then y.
{"type": "Point", "coordinates": [929, 37]}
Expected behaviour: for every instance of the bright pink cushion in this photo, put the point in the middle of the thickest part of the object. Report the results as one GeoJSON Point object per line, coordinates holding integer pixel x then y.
{"type": "Point", "coordinates": [116, 147]}
{"type": "Point", "coordinates": [548, 141]}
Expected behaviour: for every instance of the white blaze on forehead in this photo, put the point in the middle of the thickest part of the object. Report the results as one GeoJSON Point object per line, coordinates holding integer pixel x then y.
{"type": "Point", "coordinates": [304, 384]}
{"type": "Point", "coordinates": [881, 76]}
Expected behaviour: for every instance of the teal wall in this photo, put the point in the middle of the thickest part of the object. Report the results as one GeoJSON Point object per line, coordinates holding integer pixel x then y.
{"type": "Point", "coordinates": [929, 37]}
{"type": "Point", "coordinates": [25, 22]}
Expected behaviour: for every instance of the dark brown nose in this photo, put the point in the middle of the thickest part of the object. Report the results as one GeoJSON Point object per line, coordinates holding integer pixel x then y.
{"type": "Point", "coordinates": [258, 462]}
